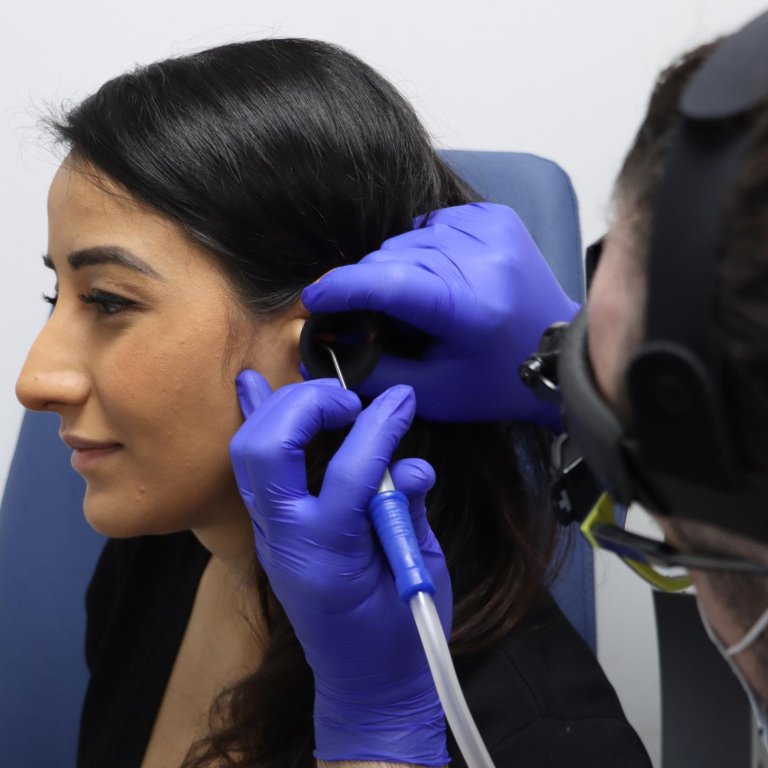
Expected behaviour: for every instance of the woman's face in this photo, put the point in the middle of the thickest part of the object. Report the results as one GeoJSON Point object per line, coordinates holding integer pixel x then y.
{"type": "Point", "coordinates": [139, 359]}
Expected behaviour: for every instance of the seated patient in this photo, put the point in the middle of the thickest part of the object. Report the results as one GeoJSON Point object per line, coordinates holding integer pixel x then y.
{"type": "Point", "coordinates": [199, 196]}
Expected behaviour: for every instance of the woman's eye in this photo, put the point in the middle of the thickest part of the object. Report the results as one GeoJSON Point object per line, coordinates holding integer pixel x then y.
{"type": "Point", "coordinates": [51, 299]}
{"type": "Point", "coordinates": [106, 303]}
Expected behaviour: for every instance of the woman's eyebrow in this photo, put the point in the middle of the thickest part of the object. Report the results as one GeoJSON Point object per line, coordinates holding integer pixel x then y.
{"type": "Point", "coordinates": [107, 254]}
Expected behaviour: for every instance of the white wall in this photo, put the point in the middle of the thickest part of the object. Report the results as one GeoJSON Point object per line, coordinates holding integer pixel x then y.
{"type": "Point", "coordinates": [568, 80]}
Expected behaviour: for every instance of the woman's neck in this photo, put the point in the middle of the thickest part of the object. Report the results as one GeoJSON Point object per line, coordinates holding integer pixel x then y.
{"type": "Point", "coordinates": [224, 642]}
{"type": "Point", "coordinates": [230, 574]}
{"type": "Point", "coordinates": [230, 540]}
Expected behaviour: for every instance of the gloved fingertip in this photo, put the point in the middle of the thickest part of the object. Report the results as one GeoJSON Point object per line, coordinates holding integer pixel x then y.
{"type": "Point", "coordinates": [400, 396]}
{"type": "Point", "coordinates": [413, 476]}
{"type": "Point", "coordinates": [252, 390]}
{"type": "Point", "coordinates": [304, 372]}
{"type": "Point", "coordinates": [313, 292]}
{"type": "Point", "coordinates": [309, 294]}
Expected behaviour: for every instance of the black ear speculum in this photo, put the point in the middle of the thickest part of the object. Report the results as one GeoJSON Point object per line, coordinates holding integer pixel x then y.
{"type": "Point", "coordinates": [358, 339]}
{"type": "Point", "coordinates": [354, 338]}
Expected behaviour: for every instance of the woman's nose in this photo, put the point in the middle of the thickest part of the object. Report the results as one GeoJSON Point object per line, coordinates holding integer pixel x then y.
{"type": "Point", "coordinates": [53, 377]}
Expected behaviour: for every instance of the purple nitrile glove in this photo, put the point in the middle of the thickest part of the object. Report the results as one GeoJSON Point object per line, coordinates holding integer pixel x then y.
{"type": "Point", "coordinates": [374, 695]}
{"type": "Point", "coordinates": [474, 280]}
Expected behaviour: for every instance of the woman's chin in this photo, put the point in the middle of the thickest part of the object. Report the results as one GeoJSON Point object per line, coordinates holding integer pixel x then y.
{"type": "Point", "coordinates": [119, 518]}
{"type": "Point", "coordinates": [125, 507]}
{"type": "Point", "coordinates": [116, 526]}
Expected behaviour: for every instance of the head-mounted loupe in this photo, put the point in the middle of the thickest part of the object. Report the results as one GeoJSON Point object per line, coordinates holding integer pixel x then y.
{"type": "Point", "coordinates": [597, 465]}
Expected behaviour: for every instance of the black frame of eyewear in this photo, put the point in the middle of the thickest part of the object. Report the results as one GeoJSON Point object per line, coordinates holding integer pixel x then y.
{"type": "Point", "coordinates": [644, 550]}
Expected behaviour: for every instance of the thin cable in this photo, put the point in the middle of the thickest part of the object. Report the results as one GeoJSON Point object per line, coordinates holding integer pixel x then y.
{"type": "Point", "coordinates": [386, 483]}
{"type": "Point", "coordinates": [336, 365]}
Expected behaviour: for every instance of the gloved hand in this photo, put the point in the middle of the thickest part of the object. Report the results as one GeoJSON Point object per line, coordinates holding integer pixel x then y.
{"type": "Point", "coordinates": [475, 281]}
{"type": "Point", "coordinates": [374, 696]}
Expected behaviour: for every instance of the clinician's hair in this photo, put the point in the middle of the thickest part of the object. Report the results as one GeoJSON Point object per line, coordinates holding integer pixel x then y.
{"type": "Point", "coordinates": [286, 158]}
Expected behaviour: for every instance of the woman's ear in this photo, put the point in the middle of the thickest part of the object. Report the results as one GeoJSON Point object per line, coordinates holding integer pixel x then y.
{"type": "Point", "coordinates": [274, 351]}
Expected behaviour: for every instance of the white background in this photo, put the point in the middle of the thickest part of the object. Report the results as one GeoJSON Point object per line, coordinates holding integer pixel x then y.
{"type": "Point", "coordinates": [564, 79]}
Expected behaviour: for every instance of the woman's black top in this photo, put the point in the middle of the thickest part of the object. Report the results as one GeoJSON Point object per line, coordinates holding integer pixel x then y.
{"type": "Point", "coordinates": [539, 698]}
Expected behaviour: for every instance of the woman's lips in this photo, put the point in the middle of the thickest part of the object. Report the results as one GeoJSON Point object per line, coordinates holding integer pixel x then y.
{"type": "Point", "coordinates": [88, 453]}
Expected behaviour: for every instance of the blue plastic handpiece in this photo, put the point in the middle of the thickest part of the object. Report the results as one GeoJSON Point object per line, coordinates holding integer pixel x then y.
{"type": "Point", "coordinates": [392, 520]}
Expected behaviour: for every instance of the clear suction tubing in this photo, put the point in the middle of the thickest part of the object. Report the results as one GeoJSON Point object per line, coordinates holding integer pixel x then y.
{"type": "Point", "coordinates": [392, 521]}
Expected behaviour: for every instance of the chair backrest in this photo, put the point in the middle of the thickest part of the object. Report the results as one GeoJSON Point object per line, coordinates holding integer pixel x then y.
{"type": "Point", "coordinates": [48, 552]}
{"type": "Point", "coordinates": [47, 555]}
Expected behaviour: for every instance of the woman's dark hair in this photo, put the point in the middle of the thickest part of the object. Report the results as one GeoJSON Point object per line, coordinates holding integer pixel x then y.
{"type": "Point", "coordinates": [286, 158]}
